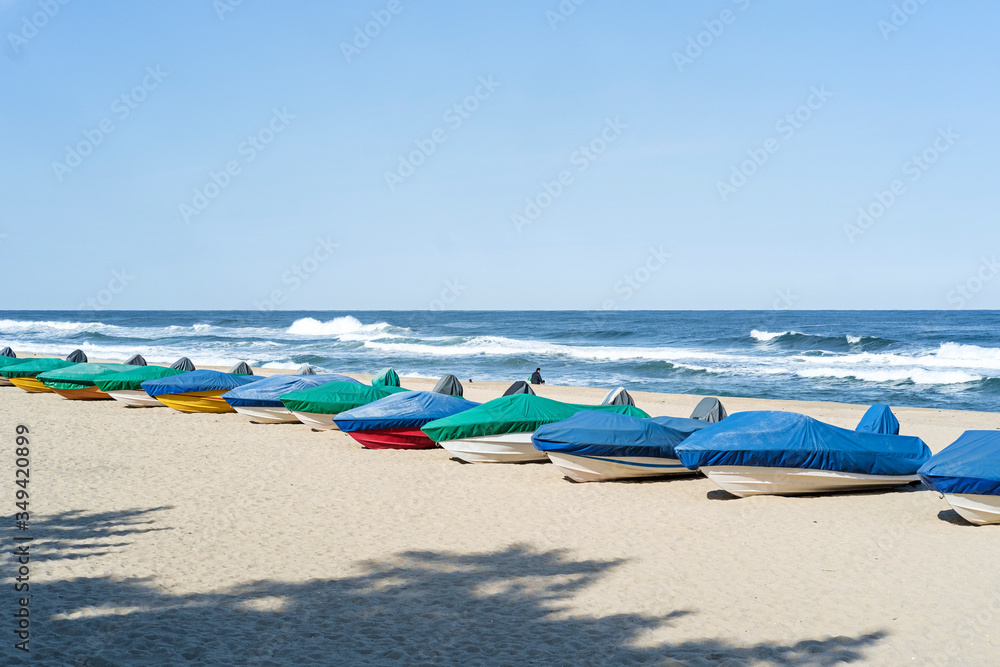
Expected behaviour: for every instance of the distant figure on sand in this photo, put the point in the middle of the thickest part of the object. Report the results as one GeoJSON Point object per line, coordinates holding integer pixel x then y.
{"type": "Point", "coordinates": [536, 377]}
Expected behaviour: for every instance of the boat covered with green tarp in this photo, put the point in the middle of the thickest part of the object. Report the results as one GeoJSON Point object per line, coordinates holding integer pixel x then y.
{"type": "Point", "coordinates": [78, 381]}
{"type": "Point", "coordinates": [317, 406]}
{"type": "Point", "coordinates": [126, 387]}
{"type": "Point", "coordinates": [500, 430]}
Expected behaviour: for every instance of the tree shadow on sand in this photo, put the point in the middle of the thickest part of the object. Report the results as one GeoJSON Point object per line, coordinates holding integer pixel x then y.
{"type": "Point", "coordinates": [506, 607]}
{"type": "Point", "coordinates": [79, 534]}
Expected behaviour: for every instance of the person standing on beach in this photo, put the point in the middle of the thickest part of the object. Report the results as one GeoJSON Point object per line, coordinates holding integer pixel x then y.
{"type": "Point", "coordinates": [536, 377]}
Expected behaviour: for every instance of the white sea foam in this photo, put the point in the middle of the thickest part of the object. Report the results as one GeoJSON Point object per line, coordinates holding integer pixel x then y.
{"type": "Point", "coordinates": [915, 375]}
{"type": "Point", "coordinates": [766, 336]}
{"type": "Point", "coordinates": [506, 347]}
{"type": "Point", "coordinates": [346, 328]}
{"type": "Point", "coordinates": [854, 340]}
{"type": "Point", "coordinates": [19, 326]}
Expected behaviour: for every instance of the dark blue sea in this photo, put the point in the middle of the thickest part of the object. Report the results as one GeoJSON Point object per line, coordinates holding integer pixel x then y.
{"type": "Point", "coordinates": [928, 359]}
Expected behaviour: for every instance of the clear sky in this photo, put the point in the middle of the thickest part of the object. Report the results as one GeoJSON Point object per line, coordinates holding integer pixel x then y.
{"type": "Point", "coordinates": [648, 155]}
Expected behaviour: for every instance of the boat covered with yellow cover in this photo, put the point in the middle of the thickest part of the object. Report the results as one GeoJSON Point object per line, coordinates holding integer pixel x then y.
{"type": "Point", "coordinates": [22, 375]}
{"type": "Point", "coordinates": [79, 382]}
{"type": "Point", "coordinates": [197, 391]}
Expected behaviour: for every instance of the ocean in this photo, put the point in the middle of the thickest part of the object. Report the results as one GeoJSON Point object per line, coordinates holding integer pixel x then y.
{"type": "Point", "coordinates": [923, 359]}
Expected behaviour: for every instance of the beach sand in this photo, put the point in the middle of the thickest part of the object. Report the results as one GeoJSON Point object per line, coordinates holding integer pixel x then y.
{"type": "Point", "coordinates": [166, 538]}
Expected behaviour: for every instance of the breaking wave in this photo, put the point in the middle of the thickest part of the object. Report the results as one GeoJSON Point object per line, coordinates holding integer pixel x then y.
{"type": "Point", "coordinates": [806, 341]}
{"type": "Point", "coordinates": [339, 326]}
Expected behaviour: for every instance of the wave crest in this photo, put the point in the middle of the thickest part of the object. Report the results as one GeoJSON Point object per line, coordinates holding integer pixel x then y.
{"type": "Point", "coordinates": [800, 340]}
{"type": "Point", "coordinates": [893, 375]}
{"type": "Point", "coordinates": [339, 326]}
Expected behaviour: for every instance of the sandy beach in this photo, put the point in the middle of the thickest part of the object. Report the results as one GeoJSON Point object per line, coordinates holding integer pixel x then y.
{"type": "Point", "coordinates": [169, 538]}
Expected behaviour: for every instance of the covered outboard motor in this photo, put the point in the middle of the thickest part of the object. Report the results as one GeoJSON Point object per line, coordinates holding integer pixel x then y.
{"type": "Point", "coordinates": [7, 352]}
{"type": "Point", "coordinates": [136, 360]}
{"type": "Point", "coordinates": [77, 357]}
{"type": "Point", "coordinates": [519, 387]}
{"type": "Point", "coordinates": [183, 364]}
{"type": "Point", "coordinates": [879, 419]}
{"type": "Point", "coordinates": [709, 410]}
{"type": "Point", "coordinates": [242, 368]}
{"type": "Point", "coordinates": [386, 378]}
{"type": "Point", "coordinates": [305, 369]}
{"type": "Point", "coordinates": [449, 385]}
{"type": "Point", "coordinates": [618, 397]}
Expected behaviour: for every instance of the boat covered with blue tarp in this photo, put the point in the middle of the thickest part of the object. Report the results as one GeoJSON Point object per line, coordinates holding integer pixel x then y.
{"type": "Point", "coordinates": [411, 409]}
{"type": "Point", "coordinates": [967, 474]}
{"type": "Point", "coordinates": [395, 422]}
{"type": "Point", "coordinates": [591, 433]}
{"type": "Point", "coordinates": [267, 392]}
{"type": "Point", "coordinates": [879, 419]}
{"type": "Point", "coordinates": [971, 464]}
{"type": "Point", "coordinates": [197, 391]}
{"type": "Point", "coordinates": [600, 446]}
{"type": "Point", "coordinates": [790, 440]}
{"type": "Point", "coordinates": [783, 453]}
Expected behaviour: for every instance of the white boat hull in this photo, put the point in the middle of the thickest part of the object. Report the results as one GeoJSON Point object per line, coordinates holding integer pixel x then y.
{"type": "Point", "coordinates": [601, 468]}
{"type": "Point", "coordinates": [317, 420]}
{"type": "Point", "coordinates": [976, 509]}
{"type": "Point", "coordinates": [507, 448]}
{"type": "Point", "coordinates": [746, 481]}
{"type": "Point", "coordinates": [266, 415]}
{"type": "Point", "coordinates": [4, 382]}
{"type": "Point", "coordinates": [135, 398]}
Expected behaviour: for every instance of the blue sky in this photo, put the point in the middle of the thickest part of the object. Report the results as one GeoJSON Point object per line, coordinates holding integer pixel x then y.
{"type": "Point", "coordinates": [354, 182]}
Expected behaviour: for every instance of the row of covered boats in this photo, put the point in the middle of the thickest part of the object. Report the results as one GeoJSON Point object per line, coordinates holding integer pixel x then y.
{"type": "Point", "coordinates": [747, 453]}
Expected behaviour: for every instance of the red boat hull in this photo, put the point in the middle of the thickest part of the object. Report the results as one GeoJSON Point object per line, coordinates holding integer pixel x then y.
{"type": "Point", "coordinates": [394, 438]}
